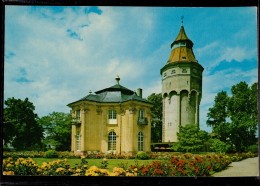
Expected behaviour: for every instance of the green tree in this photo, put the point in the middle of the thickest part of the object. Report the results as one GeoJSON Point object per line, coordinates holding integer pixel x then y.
{"type": "Point", "coordinates": [21, 129]}
{"type": "Point", "coordinates": [57, 129]}
{"type": "Point", "coordinates": [218, 115]}
{"type": "Point", "coordinates": [242, 107]}
{"type": "Point", "coordinates": [191, 139]}
{"type": "Point", "coordinates": [156, 120]}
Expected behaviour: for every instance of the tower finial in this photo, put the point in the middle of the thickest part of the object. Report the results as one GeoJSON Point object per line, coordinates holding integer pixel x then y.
{"type": "Point", "coordinates": [117, 79]}
{"type": "Point", "coordinates": [182, 17]}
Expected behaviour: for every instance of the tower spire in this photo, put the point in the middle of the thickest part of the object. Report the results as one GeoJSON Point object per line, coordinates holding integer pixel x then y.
{"type": "Point", "coordinates": [182, 17]}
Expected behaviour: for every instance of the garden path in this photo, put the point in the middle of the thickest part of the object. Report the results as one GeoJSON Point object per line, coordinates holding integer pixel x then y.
{"type": "Point", "coordinates": [247, 167]}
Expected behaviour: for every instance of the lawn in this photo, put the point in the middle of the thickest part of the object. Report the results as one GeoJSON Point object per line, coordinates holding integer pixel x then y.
{"type": "Point", "coordinates": [111, 162]}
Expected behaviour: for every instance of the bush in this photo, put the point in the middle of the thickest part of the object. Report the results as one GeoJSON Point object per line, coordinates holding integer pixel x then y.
{"type": "Point", "coordinates": [253, 148]}
{"type": "Point", "coordinates": [23, 154]}
{"type": "Point", "coordinates": [219, 146]}
{"type": "Point", "coordinates": [185, 165]}
{"type": "Point", "coordinates": [21, 166]}
{"type": "Point", "coordinates": [51, 154]}
{"type": "Point", "coordinates": [142, 155]}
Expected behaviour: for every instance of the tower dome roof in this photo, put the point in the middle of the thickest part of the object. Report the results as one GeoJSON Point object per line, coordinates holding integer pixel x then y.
{"type": "Point", "coordinates": [182, 36]}
{"type": "Point", "coordinates": [182, 48]}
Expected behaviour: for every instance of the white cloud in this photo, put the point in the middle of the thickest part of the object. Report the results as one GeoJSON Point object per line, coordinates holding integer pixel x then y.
{"type": "Point", "coordinates": [61, 66]}
{"type": "Point", "coordinates": [124, 41]}
{"type": "Point", "coordinates": [236, 53]}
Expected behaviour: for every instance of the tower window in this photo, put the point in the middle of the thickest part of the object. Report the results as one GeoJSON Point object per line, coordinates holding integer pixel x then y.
{"type": "Point", "coordinates": [184, 70]}
{"type": "Point", "coordinates": [165, 74]}
{"type": "Point", "coordinates": [173, 71]}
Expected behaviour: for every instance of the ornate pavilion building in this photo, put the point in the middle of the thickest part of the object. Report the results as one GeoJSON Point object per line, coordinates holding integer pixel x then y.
{"type": "Point", "coordinates": [114, 119]}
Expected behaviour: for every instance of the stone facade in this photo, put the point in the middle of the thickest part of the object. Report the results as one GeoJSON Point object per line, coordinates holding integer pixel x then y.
{"type": "Point", "coordinates": [115, 120]}
{"type": "Point", "coordinates": [181, 88]}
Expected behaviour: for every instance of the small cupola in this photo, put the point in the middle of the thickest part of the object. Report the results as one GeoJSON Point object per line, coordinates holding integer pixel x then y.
{"type": "Point", "coordinates": [117, 79]}
{"type": "Point", "coordinates": [182, 48]}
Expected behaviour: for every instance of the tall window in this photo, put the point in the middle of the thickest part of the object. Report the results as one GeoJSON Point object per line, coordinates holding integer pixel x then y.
{"type": "Point", "coordinates": [77, 138]}
{"type": "Point", "coordinates": [112, 117]}
{"type": "Point", "coordinates": [140, 141]}
{"type": "Point", "coordinates": [112, 141]}
{"type": "Point", "coordinates": [141, 113]}
{"type": "Point", "coordinates": [77, 114]}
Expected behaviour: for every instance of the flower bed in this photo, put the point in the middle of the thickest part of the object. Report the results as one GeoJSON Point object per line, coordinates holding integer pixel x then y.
{"type": "Point", "coordinates": [37, 154]}
{"type": "Point", "coordinates": [177, 165]}
{"type": "Point", "coordinates": [186, 165]}
{"type": "Point", "coordinates": [240, 156]}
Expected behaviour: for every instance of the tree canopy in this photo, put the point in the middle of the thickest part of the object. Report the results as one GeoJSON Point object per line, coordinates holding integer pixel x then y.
{"type": "Point", "coordinates": [57, 129]}
{"type": "Point", "coordinates": [156, 119]}
{"type": "Point", "coordinates": [234, 118]}
{"type": "Point", "coordinates": [20, 128]}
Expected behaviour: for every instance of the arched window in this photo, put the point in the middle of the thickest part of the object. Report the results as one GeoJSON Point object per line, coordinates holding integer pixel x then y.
{"type": "Point", "coordinates": [112, 141]}
{"type": "Point", "coordinates": [140, 141]}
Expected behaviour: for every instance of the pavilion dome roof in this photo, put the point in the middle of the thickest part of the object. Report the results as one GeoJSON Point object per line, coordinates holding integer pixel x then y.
{"type": "Point", "coordinates": [114, 94]}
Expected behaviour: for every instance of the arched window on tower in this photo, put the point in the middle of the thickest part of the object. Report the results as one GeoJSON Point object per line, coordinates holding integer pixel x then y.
{"type": "Point", "coordinates": [112, 141]}
{"type": "Point", "coordinates": [140, 141]}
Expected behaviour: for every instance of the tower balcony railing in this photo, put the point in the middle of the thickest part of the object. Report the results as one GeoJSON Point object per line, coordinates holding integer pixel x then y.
{"type": "Point", "coordinates": [142, 121]}
{"type": "Point", "coordinates": [75, 121]}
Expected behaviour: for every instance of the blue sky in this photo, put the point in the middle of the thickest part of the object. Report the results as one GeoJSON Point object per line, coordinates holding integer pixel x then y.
{"type": "Point", "coordinates": [56, 55]}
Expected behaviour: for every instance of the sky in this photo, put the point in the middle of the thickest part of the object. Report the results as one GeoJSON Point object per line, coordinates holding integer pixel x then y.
{"type": "Point", "coordinates": [55, 55]}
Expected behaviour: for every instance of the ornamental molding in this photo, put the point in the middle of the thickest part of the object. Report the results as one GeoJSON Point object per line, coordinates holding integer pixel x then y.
{"type": "Point", "coordinates": [98, 110]}
{"type": "Point", "coordinates": [132, 109]}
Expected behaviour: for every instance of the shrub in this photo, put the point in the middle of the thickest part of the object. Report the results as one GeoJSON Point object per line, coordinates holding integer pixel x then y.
{"type": "Point", "coordinates": [252, 148]}
{"type": "Point", "coordinates": [51, 154]}
{"type": "Point", "coordinates": [185, 165]}
{"type": "Point", "coordinates": [23, 154]}
{"type": "Point", "coordinates": [142, 155]}
{"type": "Point", "coordinates": [219, 146]}
{"type": "Point", "coordinates": [55, 168]}
{"type": "Point", "coordinates": [21, 166]}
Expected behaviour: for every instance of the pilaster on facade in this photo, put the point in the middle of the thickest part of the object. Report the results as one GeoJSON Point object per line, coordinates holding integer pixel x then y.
{"type": "Point", "coordinates": [83, 112]}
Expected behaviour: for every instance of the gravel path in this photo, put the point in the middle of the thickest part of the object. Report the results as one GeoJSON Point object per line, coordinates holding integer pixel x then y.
{"type": "Point", "coordinates": [247, 167]}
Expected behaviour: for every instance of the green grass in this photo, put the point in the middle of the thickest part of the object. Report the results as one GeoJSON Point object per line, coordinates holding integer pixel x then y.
{"type": "Point", "coordinates": [97, 162]}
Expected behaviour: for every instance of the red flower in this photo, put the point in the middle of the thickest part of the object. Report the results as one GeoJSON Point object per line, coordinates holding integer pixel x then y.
{"type": "Point", "coordinates": [145, 170]}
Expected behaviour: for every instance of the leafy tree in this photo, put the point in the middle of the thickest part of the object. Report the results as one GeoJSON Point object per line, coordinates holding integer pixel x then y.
{"type": "Point", "coordinates": [156, 113]}
{"type": "Point", "coordinates": [240, 109]}
{"type": "Point", "coordinates": [20, 128]}
{"type": "Point", "coordinates": [57, 129]}
{"type": "Point", "coordinates": [218, 115]}
{"type": "Point", "coordinates": [191, 139]}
